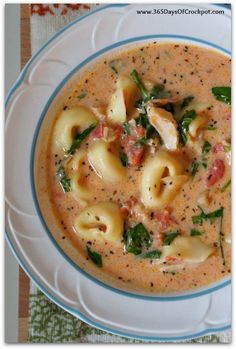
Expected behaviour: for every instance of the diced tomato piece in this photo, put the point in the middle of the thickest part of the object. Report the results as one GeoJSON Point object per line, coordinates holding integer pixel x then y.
{"type": "Point", "coordinates": [133, 150]}
{"type": "Point", "coordinates": [216, 172]}
{"type": "Point", "coordinates": [128, 205]}
{"type": "Point", "coordinates": [165, 219]}
{"type": "Point", "coordinates": [98, 132]}
{"type": "Point", "coordinates": [139, 131]}
{"type": "Point", "coordinates": [135, 154]}
{"type": "Point", "coordinates": [173, 260]}
{"type": "Point", "coordinates": [124, 211]}
{"type": "Point", "coordinates": [118, 131]}
{"type": "Point", "coordinates": [217, 147]}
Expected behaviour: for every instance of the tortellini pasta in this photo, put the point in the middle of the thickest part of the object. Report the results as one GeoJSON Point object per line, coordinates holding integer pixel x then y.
{"type": "Point", "coordinates": [106, 163]}
{"type": "Point", "coordinates": [200, 120]}
{"type": "Point", "coordinates": [78, 188]}
{"type": "Point", "coordinates": [120, 100]}
{"type": "Point", "coordinates": [69, 123]}
{"type": "Point", "coordinates": [197, 124]}
{"type": "Point", "coordinates": [101, 221]}
{"type": "Point", "coordinates": [189, 249]}
{"type": "Point", "coordinates": [161, 180]}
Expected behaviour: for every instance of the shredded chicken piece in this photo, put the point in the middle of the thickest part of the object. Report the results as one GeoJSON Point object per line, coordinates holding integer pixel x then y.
{"type": "Point", "coordinates": [163, 101]}
{"type": "Point", "coordinates": [99, 112]}
{"type": "Point", "coordinates": [204, 198]}
{"type": "Point", "coordinates": [165, 124]}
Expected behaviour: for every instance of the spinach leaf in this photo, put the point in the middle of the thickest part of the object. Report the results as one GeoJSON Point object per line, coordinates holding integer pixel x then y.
{"type": "Point", "coordinates": [186, 101]}
{"type": "Point", "coordinates": [64, 180]}
{"type": "Point", "coordinates": [126, 128]}
{"type": "Point", "coordinates": [195, 232]}
{"type": "Point", "coordinates": [154, 254]}
{"type": "Point", "coordinates": [225, 186]}
{"type": "Point", "coordinates": [124, 159]}
{"type": "Point", "coordinates": [169, 237]}
{"type": "Point", "coordinates": [95, 257]}
{"type": "Point", "coordinates": [144, 93]}
{"type": "Point", "coordinates": [156, 91]}
{"type": "Point", "coordinates": [222, 93]}
{"type": "Point", "coordinates": [79, 138]}
{"type": "Point", "coordinates": [194, 168]}
{"type": "Point", "coordinates": [143, 121]}
{"type": "Point", "coordinates": [184, 123]}
{"type": "Point", "coordinates": [215, 214]}
{"type": "Point", "coordinates": [206, 148]}
{"type": "Point", "coordinates": [136, 239]}
{"type": "Point", "coordinates": [220, 238]}
{"type": "Point", "coordinates": [198, 219]}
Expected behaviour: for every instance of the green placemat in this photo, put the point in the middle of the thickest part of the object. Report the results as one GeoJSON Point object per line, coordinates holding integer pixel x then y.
{"type": "Point", "coordinates": [50, 324]}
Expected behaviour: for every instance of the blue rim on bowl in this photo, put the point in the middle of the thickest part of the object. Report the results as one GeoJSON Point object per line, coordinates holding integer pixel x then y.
{"type": "Point", "coordinates": [26, 269]}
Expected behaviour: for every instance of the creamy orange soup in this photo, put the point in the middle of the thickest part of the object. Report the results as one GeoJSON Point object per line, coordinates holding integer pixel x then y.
{"type": "Point", "coordinates": [132, 168]}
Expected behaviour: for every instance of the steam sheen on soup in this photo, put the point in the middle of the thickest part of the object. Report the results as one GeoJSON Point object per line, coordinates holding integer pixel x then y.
{"type": "Point", "coordinates": [132, 168]}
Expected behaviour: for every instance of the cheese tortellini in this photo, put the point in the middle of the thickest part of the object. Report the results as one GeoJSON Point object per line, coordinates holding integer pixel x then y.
{"type": "Point", "coordinates": [120, 100]}
{"type": "Point", "coordinates": [101, 221]}
{"type": "Point", "coordinates": [189, 249]}
{"type": "Point", "coordinates": [78, 188]}
{"type": "Point", "coordinates": [161, 180]}
{"type": "Point", "coordinates": [107, 164]}
{"type": "Point", "coordinates": [69, 123]}
{"type": "Point", "coordinates": [200, 121]}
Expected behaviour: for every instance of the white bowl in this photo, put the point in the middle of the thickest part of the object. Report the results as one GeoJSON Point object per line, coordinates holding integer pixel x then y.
{"type": "Point", "coordinates": [192, 313]}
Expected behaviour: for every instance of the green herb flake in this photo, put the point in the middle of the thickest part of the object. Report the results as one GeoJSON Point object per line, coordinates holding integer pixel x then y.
{"type": "Point", "coordinates": [206, 148]}
{"type": "Point", "coordinates": [95, 257]}
{"type": "Point", "coordinates": [136, 239]}
{"type": "Point", "coordinates": [211, 128]}
{"type": "Point", "coordinates": [82, 95]}
{"type": "Point", "coordinates": [169, 237]}
{"type": "Point", "coordinates": [184, 123]}
{"type": "Point", "coordinates": [225, 186]}
{"type": "Point", "coordinates": [64, 180]}
{"type": "Point", "coordinates": [227, 148]}
{"type": "Point", "coordinates": [80, 137]}
{"type": "Point", "coordinates": [155, 254]}
{"type": "Point", "coordinates": [114, 69]}
{"type": "Point", "coordinates": [195, 232]}
{"type": "Point", "coordinates": [124, 159]}
{"type": "Point", "coordinates": [222, 94]}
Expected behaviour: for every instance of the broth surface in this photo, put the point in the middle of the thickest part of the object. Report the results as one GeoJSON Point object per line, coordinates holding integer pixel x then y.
{"type": "Point", "coordinates": [183, 70]}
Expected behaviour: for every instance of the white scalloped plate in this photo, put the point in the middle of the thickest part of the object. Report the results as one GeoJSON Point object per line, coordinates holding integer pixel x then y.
{"type": "Point", "coordinates": [148, 318]}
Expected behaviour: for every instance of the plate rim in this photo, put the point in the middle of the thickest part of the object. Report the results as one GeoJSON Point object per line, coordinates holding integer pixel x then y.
{"type": "Point", "coordinates": [14, 87]}
{"type": "Point", "coordinates": [82, 317]}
